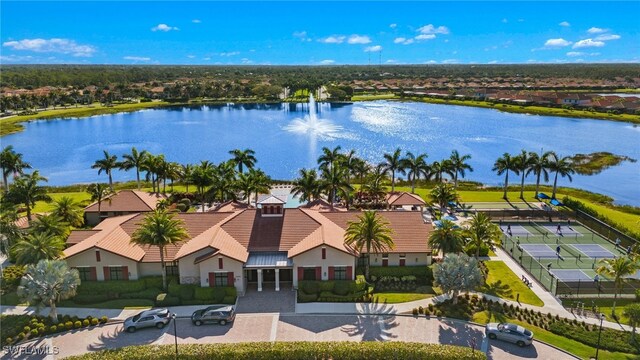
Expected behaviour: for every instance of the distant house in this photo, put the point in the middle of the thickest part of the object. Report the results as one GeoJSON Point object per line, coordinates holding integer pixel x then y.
{"type": "Point", "coordinates": [122, 203]}
{"type": "Point", "coordinates": [404, 201]}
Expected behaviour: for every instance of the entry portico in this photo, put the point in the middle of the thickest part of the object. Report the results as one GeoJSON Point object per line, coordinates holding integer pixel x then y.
{"type": "Point", "coordinates": [267, 267]}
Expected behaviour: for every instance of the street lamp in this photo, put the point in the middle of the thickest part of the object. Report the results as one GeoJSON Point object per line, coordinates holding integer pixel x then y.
{"type": "Point", "coordinates": [175, 333]}
{"type": "Point", "coordinates": [602, 316]}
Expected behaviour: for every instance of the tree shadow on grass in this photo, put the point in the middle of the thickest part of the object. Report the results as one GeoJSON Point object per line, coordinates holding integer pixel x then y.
{"type": "Point", "coordinates": [498, 289]}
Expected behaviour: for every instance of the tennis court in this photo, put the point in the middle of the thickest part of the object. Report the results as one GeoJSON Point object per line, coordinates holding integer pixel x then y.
{"type": "Point", "coordinates": [573, 275]}
{"type": "Point", "coordinates": [562, 230]}
{"type": "Point", "coordinates": [517, 230]}
{"type": "Point", "coordinates": [539, 251]}
{"type": "Point", "coordinates": [594, 251]}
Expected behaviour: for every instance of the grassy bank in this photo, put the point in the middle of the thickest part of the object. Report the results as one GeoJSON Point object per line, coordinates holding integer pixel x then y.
{"type": "Point", "coordinates": [502, 282]}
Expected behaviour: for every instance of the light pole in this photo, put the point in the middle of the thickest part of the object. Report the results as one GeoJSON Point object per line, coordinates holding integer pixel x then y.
{"type": "Point", "coordinates": [175, 334]}
{"type": "Point", "coordinates": [602, 316]}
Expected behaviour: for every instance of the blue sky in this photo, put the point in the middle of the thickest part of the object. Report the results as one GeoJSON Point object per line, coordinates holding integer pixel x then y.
{"type": "Point", "coordinates": [312, 33]}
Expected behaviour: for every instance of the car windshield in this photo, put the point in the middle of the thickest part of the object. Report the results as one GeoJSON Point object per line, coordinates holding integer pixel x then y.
{"type": "Point", "coordinates": [136, 318]}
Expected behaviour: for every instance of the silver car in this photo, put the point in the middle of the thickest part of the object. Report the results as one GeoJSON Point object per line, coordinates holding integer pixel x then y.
{"type": "Point", "coordinates": [158, 318]}
{"type": "Point", "coordinates": [509, 332]}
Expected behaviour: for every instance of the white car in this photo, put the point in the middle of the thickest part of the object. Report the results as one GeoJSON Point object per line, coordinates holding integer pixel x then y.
{"type": "Point", "coordinates": [158, 318]}
{"type": "Point", "coordinates": [509, 332]}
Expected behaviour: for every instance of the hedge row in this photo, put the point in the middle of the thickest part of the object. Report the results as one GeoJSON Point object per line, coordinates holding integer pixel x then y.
{"type": "Point", "coordinates": [334, 290]}
{"type": "Point", "coordinates": [11, 276]}
{"type": "Point", "coordinates": [291, 350]}
{"type": "Point", "coordinates": [612, 340]}
{"type": "Point", "coordinates": [423, 274]}
{"type": "Point", "coordinates": [16, 328]}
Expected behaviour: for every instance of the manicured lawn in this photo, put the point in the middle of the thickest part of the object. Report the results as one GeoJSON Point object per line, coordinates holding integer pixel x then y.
{"type": "Point", "coordinates": [572, 346]}
{"type": "Point", "coordinates": [606, 305]}
{"type": "Point", "coordinates": [81, 197]}
{"type": "Point", "coordinates": [11, 299]}
{"type": "Point", "coordinates": [373, 97]}
{"type": "Point", "coordinates": [395, 298]}
{"type": "Point", "coordinates": [502, 282]}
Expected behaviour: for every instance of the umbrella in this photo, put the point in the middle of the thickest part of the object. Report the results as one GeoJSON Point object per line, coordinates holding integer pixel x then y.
{"type": "Point", "coordinates": [543, 196]}
{"type": "Point", "coordinates": [555, 202]}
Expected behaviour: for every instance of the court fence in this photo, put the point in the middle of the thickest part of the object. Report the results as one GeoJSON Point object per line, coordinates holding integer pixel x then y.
{"type": "Point", "coordinates": [605, 230]}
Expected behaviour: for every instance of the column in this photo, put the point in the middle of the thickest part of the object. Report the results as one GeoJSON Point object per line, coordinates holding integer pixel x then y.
{"type": "Point", "coordinates": [259, 279]}
{"type": "Point", "coordinates": [277, 279]}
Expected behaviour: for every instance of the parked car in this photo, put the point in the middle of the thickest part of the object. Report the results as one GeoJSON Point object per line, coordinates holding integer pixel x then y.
{"type": "Point", "coordinates": [158, 318]}
{"type": "Point", "coordinates": [509, 332]}
{"type": "Point", "coordinates": [214, 314]}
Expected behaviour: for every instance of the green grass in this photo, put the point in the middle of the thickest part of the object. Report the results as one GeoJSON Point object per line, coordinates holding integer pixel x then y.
{"type": "Point", "coordinates": [605, 306]}
{"type": "Point", "coordinates": [366, 97]}
{"type": "Point", "coordinates": [502, 282]}
{"type": "Point", "coordinates": [396, 298]}
{"type": "Point", "coordinates": [81, 197]}
{"type": "Point", "coordinates": [572, 346]}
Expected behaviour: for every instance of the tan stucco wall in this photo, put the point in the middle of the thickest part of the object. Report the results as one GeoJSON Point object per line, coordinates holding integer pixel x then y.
{"type": "Point", "coordinates": [410, 259]}
{"type": "Point", "coordinates": [190, 272]}
{"type": "Point", "coordinates": [228, 264]}
{"type": "Point", "coordinates": [313, 258]}
{"type": "Point", "coordinates": [88, 258]}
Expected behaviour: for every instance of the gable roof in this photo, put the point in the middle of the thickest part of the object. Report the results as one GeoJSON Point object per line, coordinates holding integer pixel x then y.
{"type": "Point", "coordinates": [230, 206]}
{"type": "Point", "coordinates": [128, 201]}
{"type": "Point", "coordinates": [272, 200]}
{"type": "Point", "coordinates": [404, 198]}
{"type": "Point", "coordinates": [328, 233]}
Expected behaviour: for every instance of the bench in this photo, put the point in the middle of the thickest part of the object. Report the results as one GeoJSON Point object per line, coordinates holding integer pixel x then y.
{"type": "Point", "coordinates": [526, 281]}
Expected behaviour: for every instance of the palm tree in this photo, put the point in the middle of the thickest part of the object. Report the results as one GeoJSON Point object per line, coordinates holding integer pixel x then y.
{"type": "Point", "coordinates": [10, 233]}
{"type": "Point", "coordinates": [370, 232]}
{"type": "Point", "coordinates": [160, 228]}
{"type": "Point", "coordinates": [562, 166]}
{"type": "Point", "coordinates": [448, 238]}
{"type": "Point", "coordinates": [68, 211]}
{"type": "Point", "coordinates": [360, 170]}
{"type": "Point", "coordinates": [329, 157]}
{"type": "Point", "coordinates": [333, 182]}
{"type": "Point", "coordinates": [186, 175]}
{"type": "Point", "coordinates": [243, 157]}
{"type": "Point", "coordinates": [443, 194]}
{"type": "Point", "coordinates": [307, 187]}
{"type": "Point", "coordinates": [349, 162]}
{"type": "Point", "coordinates": [523, 163]}
{"type": "Point", "coordinates": [134, 160]}
{"type": "Point", "coordinates": [246, 184]}
{"type": "Point", "coordinates": [11, 163]}
{"type": "Point", "coordinates": [374, 185]}
{"type": "Point", "coordinates": [37, 246]}
{"type": "Point", "coordinates": [107, 164]}
{"type": "Point", "coordinates": [202, 177]}
{"type": "Point", "coordinates": [98, 193]}
{"type": "Point", "coordinates": [618, 269]}
{"type": "Point", "coordinates": [48, 282]}
{"type": "Point", "coordinates": [459, 166]}
{"type": "Point", "coordinates": [224, 181]}
{"type": "Point", "coordinates": [482, 231]}
{"type": "Point", "coordinates": [25, 190]}
{"type": "Point", "coordinates": [438, 168]}
{"type": "Point", "coordinates": [503, 165]}
{"type": "Point", "coordinates": [393, 163]}
{"type": "Point", "coordinates": [539, 166]}
{"type": "Point", "coordinates": [261, 183]}
{"type": "Point", "coordinates": [416, 166]}
{"type": "Point", "coordinates": [50, 224]}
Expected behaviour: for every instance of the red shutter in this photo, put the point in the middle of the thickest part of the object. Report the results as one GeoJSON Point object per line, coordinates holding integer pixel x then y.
{"type": "Point", "coordinates": [107, 275]}
{"type": "Point", "coordinates": [300, 273]}
{"type": "Point", "coordinates": [92, 273]}
{"type": "Point", "coordinates": [125, 272]}
{"type": "Point", "coordinates": [324, 253]}
{"type": "Point", "coordinates": [319, 273]}
{"type": "Point", "coordinates": [220, 264]}
{"type": "Point", "coordinates": [212, 279]}
{"type": "Point", "coordinates": [402, 262]}
{"type": "Point", "coordinates": [97, 256]}
{"type": "Point", "coordinates": [349, 273]}
{"type": "Point", "coordinates": [230, 279]}
{"type": "Point", "coordinates": [385, 262]}
{"type": "Point", "coordinates": [331, 272]}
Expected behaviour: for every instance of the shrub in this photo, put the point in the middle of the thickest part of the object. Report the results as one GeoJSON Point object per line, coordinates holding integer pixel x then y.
{"type": "Point", "coordinates": [218, 294]}
{"type": "Point", "coordinates": [302, 297]}
{"type": "Point", "coordinates": [34, 332]}
{"type": "Point", "coordinates": [612, 340]}
{"type": "Point", "coordinates": [415, 312]}
{"type": "Point", "coordinates": [104, 319]}
{"type": "Point", "coordinates": [53, 328]}
{"type": "Point", "coordinates": [153, 282]}
{"type": "Point", "coordinates": [203, 293]}
{"type": "Point", "coordinates": [112, 288]}
{"type": "Point", "coordinates": [229, 300]}
{"type": "Point", "coordinates": [309, 286]}
{"type": "Point", "coordinates": [11, 276]}
{"type": "Point", "coordinates": [174, 288]}
{"type": "Point", "coordinates": [423, 273]}
{"type": "Point", "coordinates": [94, 321]}
{"type": "Point", "coordinates": [186, 292]}
{"type": "Point", "coordinates": [26, 329]}
{"type": "Point", "coordinates": [230, 291]}
{"type": "Point", "coordinates": [342, 288]}
{"type": "Point", "coordinates": [85, 322]}
{"type": "Point", "coordinates": [77, 324]}
{"type": "Point", "coordinates": [90, 298]}
{"type": "Point", "coordinates": [324, 286]}
{"type": "Point", "coordinates": [167, 300]}
{"type": "Point", "coordinates": [150, 294]}
{"type": "Point", "coordinates": [9, 340]}
{"type": "Point", "coordinates": [471, 249]}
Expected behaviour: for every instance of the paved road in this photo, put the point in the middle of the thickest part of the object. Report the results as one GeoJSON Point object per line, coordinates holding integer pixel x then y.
{"type": "Point", "coordinates": [291, 327]}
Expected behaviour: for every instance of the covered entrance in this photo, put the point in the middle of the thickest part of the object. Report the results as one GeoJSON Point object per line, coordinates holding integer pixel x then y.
{"type": "Point", "coordinates": [273, 270]}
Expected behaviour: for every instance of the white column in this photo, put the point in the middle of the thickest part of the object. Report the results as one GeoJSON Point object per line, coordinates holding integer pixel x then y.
{"type": "Point", "coordinates": [277, 279]}
{"type": "Point", "coordinates": [259, 279]}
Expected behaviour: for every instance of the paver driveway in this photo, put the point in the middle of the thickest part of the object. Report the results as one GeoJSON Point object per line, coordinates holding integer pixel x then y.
{"type": "Point", "coordinates": [291, 327]}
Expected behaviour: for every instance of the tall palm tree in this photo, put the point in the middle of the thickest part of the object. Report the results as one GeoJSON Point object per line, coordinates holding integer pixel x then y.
{"type": "Point", "coordinates": [25, 190]}
{"type": "Point", "coordinates": [503, 165]}
{"type": "Point", "coordinates": [482, 231]}
{"type": "Point", "coordinates": [333, 182]}
{"type": "Point", "coordinates": [523, 163]}
{"type": "Point", "coordinates": [68, 211]}
{"type": "Point", "coordinates": [329, 157]}
{"type": "Point", "coordinates": [48, 282]}
{"type": "Point", "coordinates": [448, 238]}
{"type": "Point", "coordinates": [202, 178]}
{"type": "Point", "coordinates": [99, 192]}
{"type": "Point", "coordinates": [37, 246]}
{"type": "Point", "coordinates": [618, 269]}
{"type": "Point", "coordinates": [11, 163]}
{"type": "Point", "coordinates": [539, 167]}
{"type": "Point", "coordinates": [372, 233]}
{"type": "Point", "coordinates": [393, 163]}
{"type": "Point", "coordinates": [160, 228]}
{"type": "Point", "coordinates": [439, 168]}
{"type": "Point", "coordinates": [307, 187]}
{"type": "Point", "coordinates": [360, 170]}
{"type": "Point", "coordinates": [349, 162]}
{"type": "Point", "coordinates": [459, 166]}
{"type": "Point", "coordinates": [134, 160]}
{"type": "Point", "coordinates": [415, 166]}
{"type": "Point", "coordinates": [243, 157]}
{"type": "Point", "coordinates": [261, 183]}
{"type": "Point", "coordinates": [107, 164]}
{"type": "Point", "coordinates": [186, 175]}
{"type": "Point", "coordinates": [443, 194]}
{"type": "Point", "coordinates": [51, 224]}
{"type": "Point", "coordinates": [562, 166]}
{"type": "Point", "coordinates": [224, 181]}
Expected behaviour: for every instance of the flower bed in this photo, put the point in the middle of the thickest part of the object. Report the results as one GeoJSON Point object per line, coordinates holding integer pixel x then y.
{"type": "Point", "coordinates": [16, 328]}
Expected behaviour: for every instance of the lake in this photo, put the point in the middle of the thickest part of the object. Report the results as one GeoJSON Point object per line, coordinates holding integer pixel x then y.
{"type": "Point", "coordinates": [286, 139]}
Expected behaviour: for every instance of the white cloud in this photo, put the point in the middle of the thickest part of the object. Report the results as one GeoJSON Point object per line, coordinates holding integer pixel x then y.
{"type": "Point", "coordinates": [430, 29]}
{"type": "Point", "coordinates": [137, 58]}
{"type": "Point", "coordinates": [565, 24]}
{"type": "Point", "coordinates": [607, 37]}
{"type": "Point", "coordinates": [327, 62]}
{"type": "Point", "coordinates": [393, 26]}
{"type": "Point", "coordinates": [196, 21]}
{"type": "Point", "coordinates": [358, 39]}
{"type": "Point", "coordinates": [391, 61]}
{"type": "Point", "coordinates": [431, 62]}
{"type": "Point", "coordinates": [425, 37]}
{"type": "Point", "coordinates": [333, 39]}
{"type": "Point", "coordinates": [302, 35]}
{"type": "Point", "coordinates": [191, 56]}
{"type": "Point", "coordinates": [596, 30]}
{"type": "Point", "coordinates": [588, 43]}
{"type": "Point", "coordinates": [403, 41]}
{"type": "Point", "coordinates": [374, 48]}
{"type": "Point", "coordinates": [557, 43]}
{"type": "Point", "coordinates": [63, 46]}
{"type": "Point", "coordinates": [574, 53]}
{"type": "Point", "coordinates": [164, 27]}
{"type": "Point", "coordinates": [207, 58]}
{"type": "Point", "coordinates": [230, 53]}
{"type": "Point", "coordinates": [450, 61]}
{"type": "Point", "coordinates": [493, 62]}
{"type": "Point", "coordinates": [246, 61]}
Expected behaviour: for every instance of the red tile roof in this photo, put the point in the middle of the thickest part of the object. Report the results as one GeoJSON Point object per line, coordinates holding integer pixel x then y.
{"type": "Point", "coordinates": [128, 201]}
{"type": "Point", "coordinates": [404, 199]}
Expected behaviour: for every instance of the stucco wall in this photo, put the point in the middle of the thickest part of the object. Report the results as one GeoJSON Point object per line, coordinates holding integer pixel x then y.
{"type": "Point", "coordinates": [150, 269]}
{"type": "Point", "coordinates": [313, 258]}
{"type": "Point", "coordinates": [190, 272]}
{"type": "Point", "coordinates": [88, 258]}
{"type": "Point", "coordinates": [228, 264]}
{"type": "Point", "coordinates": [410, 259]}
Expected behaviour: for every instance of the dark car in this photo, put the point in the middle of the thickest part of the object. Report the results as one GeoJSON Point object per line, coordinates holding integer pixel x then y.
{"type": "Point", "coordinates": [214, 314]}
